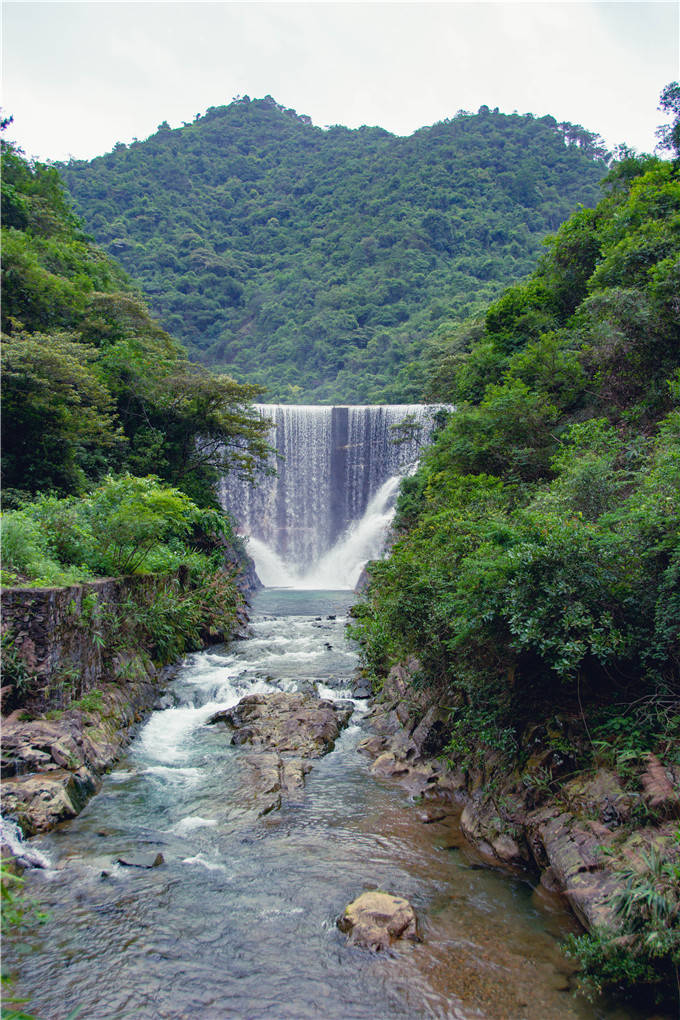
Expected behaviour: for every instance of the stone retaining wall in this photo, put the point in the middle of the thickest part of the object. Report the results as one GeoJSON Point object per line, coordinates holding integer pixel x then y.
{"type": "Point", "coordinates": [62, 634]}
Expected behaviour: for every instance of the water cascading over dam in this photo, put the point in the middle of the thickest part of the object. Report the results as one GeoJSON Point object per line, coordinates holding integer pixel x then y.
{"type": "Point", "coordinates": [326, 511]}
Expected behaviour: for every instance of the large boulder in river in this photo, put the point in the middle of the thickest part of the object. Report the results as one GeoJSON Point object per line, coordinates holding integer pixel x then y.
{"type": "Point", "coordinates": [38, 801]}
{"type": "Point", "coordinates": [290, 723]}
{"type": "Point", "coordinates": [375, 919]}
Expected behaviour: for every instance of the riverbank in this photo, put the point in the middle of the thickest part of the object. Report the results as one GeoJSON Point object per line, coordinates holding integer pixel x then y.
{"type": "Point", "coordinates": [590, 834]}
{"type": "Point", "coordinates": [53, 763]}
{"type": "Point", "coordinates": [83, 668]}
{"type": "Point", "coordinates": [205, 799]}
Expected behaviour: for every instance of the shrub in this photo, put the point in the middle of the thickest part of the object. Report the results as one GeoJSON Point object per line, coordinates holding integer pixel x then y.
{"type": "Point", "coordinates": [27, 554]}
{"type": "Point", "coordinates": [643, 957]}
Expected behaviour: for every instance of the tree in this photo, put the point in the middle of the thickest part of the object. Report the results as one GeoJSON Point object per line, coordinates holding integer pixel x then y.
{"type": "Point", "coordinates": [669, 134]}
{"type": "Point", "coordinates": [58, 422]}
{"type": "Point", "coordinates": [295, 249]}
{"type": "Point", "coordinates": [92, 382]}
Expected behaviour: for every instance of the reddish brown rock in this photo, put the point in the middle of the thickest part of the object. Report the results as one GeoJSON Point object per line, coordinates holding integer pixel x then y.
{"type": "Point", "coordinates": [483, 827]}
{"type": "Point", "coordinates": [577, 830]}
{"type": "Point", "coordinates": [387, 764]}
{"type": "Point", "coordinates": [661, 794]}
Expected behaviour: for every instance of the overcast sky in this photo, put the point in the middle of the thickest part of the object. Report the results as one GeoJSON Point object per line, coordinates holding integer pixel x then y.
{"type": "Point", "coordinates": [78, 77]}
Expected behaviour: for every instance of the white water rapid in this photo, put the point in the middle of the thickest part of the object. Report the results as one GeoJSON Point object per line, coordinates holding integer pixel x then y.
{"type": "Point", "coordinates": [327, 510]}
{"type": "Point", "coordinates": [26, 855]}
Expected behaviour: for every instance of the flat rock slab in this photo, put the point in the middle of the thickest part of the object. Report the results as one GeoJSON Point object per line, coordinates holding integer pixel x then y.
{"type": "Point", "coordinates": [269, 777]}
{"type": "Point", "coordinates": [284, 730]}
{"type": "Point", "coordinates": [289, 723]}
{"type": "Point", "coordinates": [376, 919]}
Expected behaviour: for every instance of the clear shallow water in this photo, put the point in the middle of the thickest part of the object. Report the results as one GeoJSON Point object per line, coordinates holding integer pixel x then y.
{"type": "Point", "coordinates": [240, 919]}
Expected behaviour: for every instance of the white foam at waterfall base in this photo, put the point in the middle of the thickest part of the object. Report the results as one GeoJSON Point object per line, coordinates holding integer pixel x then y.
{"type": "Point", "coordinates": [341, 566]}
{"type": "Point", "coordinates": [323, 512]}
{"type": "Point", "coordinates": [363, 541]}
{"type": "Point", "coordinates": [164, 740]}
{"type": "Point", "coordinates": [271, 569]}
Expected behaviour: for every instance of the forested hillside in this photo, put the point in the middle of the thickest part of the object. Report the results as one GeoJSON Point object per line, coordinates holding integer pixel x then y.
{"type": "Point", "coordinates": [536, 576]}
{"type": "Point", "coordinates": [103, 471]}
{"type": "Point", "coordinates": [315, 261]}
{"type": "Point", "coordinates": [91, 382]}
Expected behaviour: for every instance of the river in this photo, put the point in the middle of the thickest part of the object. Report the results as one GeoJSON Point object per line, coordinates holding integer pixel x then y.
{"type": "Point", "coordinates": [239, 920]}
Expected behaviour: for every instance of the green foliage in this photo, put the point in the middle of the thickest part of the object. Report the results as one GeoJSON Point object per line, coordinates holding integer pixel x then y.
{"type": "Point", "coordinates": [13, 906]}
{"type": "Point", "coordinates": [550, 367]}
{"type": "Point", "coordinates": [315, 262]}
{"type": "Point", "coordinates": [571, 583]}
{"type": "Point", "coordinates": [538, 559]}
{"type": "Point", "coordinates": [131, 518]}
{"type": "Point", "coordinates": [590, 480]}
{"type": "Point", "coordinates": [597, 322]}
{"type": "Point", "coordinates": [15, 670]}
{"type": "Point", "coordinates": [125, 525]}
{"type": "Point", "coordinates": [643, 957]}
{"type": "Point", "coordinates": [478, 730]}
{"type": "Point", "coordinates": [56, 412]}
{"type": "Point", "coordinates": [510, 433]}
{"type": "Point", "coordinates": [182, 616]}
{"type": "Point", "coordinates": [91, 383]}
{"type": "Point", "coordinates": [92, 701]}
{"type": "Point", "coordinates": [27, 554]}
{"type": "Point", "coordinates": [93, 388]}
{"type": "Point", "coordinates": [16, 912]}
{"type": "Point", "coordinates": [608, 966]}
{"type": "Point", "coordinates": [523, 313]}
{"type": "Point", "coordinates": [669, 134]}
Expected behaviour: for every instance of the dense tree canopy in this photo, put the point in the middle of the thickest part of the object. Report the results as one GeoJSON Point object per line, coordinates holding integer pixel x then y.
{"type": "Point", "coordinates": [316, 261]}
{"type": "Point", "coordinates": [540, 538]}
{"type": "Point", "coordinates": [536, 573]}
{"type": "Point", "coordinates": [91, 382]}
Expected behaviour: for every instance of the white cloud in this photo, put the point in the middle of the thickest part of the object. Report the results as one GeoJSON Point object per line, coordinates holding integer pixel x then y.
{"type": "Point", "coordinates": [81, 76]}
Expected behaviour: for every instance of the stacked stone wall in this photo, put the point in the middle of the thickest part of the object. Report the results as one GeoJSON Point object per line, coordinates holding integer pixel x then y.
{"type": "Point", "coordinates": [63, 636]}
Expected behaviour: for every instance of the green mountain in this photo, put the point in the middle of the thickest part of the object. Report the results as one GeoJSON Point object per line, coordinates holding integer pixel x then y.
{"type": "Point", "coordinates": [315, 262]}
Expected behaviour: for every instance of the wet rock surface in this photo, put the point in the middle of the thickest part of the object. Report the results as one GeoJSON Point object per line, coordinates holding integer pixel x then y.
{"type": "Point", "coordinates": [291, 723]}
{"type": "Point", "coordinates": [268, 778]}
{"type": "Point", "coordinates": [284, 730]}
{"type": "Point", "coordinates": [140, 860]}
{"type": "Point", "coordinates": [406, 734]}
{"type": "Point", "coordinates": [576, 838]}
{"type": "Point", "coordinates": [51, 767]}
{"type": "Point", "coordinates": [377, 919]}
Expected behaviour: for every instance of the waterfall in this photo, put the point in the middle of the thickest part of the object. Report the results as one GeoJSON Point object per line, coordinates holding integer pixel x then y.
{"type": "Point", "coordinates": [326, 511]}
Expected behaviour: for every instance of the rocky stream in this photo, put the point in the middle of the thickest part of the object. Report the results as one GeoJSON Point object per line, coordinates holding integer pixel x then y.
{"type": "Point", "coordinates": [207, 877]}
